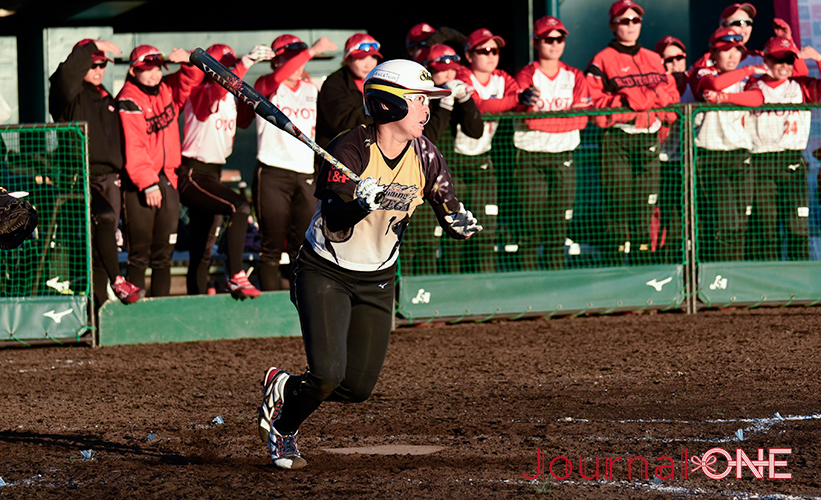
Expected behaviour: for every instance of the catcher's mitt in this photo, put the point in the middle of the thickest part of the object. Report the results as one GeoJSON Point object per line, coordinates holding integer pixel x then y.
{"type": "Point", "coordinates": [17, 220]}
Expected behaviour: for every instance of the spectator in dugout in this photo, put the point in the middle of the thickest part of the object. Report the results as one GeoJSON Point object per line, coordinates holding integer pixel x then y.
{"type": "Point", "coordinates": [545, 169]}
{"type": "Point", "coordinates": [284, 176]}
{"type": "Point", "coordinates": [674, 55]}
{"type": "Point", "coordinates": [211, 120]}
{"type": "Point", "coordinates": [456, 110]}
{"type": "Point", "coordinates": [77, 94]}
{"type": "Point", "coordinates": [724, 173]}
{"type": "Point", "coordinates": [495, 91]}
{"type": "Point", "coordinates": [424, 35]}
{"type": "Point", "coordinates": [340, 102]}
{"type": "Point", "coordinates": [779, 138]}
{"type": "Point", "coordinates": [149, 106]}
{"type": "Point", "coordinates": [626, 75]}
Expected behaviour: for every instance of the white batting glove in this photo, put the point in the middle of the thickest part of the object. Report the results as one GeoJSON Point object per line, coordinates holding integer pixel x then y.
{"type": "Point", "coordinates": [459, 90]}
{"type": "Point", "coordinates": [463, 222]}
{"type": "Point", "coordinates": [366, 193]}
{"type": "Point", "coordinates": [257, 54]}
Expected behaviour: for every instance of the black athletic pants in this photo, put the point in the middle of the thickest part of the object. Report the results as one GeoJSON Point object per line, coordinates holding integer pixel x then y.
{"type": "Point", "coordinates": [284, 202]}
{"type": "Point", "coordinates": [106, 201]}
{"type": "Point", "coordinates": [152, 234]}
{"type": "Point", "coordinates": [208, 199]}
{"type": "Point", "coordinates": [346, 321]}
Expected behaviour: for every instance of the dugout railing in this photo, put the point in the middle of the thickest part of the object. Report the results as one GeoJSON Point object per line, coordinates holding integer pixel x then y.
{"type": "Point", "coordinates": [45, 283]}
{"type": "Point", "coordinates": [632, 223]}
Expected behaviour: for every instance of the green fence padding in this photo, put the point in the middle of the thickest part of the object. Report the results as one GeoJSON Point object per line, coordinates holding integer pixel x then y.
{"type": "Point", "coordinates": [541, 293]}
{"type": "Point", "coordinates": [197, 317]}
{"type": "Point", "coordinates": [753, 283]}
{"type": "Point", "coordinates": [41, 318]}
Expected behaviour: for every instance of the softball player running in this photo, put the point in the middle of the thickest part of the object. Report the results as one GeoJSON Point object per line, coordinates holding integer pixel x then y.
{"type": "Point", "coordinates": [344, 277]}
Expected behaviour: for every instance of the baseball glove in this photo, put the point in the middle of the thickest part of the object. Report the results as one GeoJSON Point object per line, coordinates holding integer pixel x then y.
{"type": "Point", "coordinates": [17, 220]}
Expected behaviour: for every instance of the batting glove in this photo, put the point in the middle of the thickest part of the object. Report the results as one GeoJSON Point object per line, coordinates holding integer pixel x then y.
{"type": "Point", "coordinates": [463, 222]}
{"type": "Point", "coordinates": [459, 90]}
{"type": "Point", "coordinates": [529, 96]}
{"type": "Point", "coordinates": [367, 192]}
{"type": "Point", "coordinates": [259, 53]}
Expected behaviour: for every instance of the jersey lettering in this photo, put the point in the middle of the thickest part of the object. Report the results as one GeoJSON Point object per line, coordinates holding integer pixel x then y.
{"type": "Point", "coordinates": [161, 121]}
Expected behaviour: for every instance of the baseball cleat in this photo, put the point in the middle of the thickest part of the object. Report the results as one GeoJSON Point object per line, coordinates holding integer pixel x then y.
{"type": "Point", "coordinates": [241, 288]}
{"type": "Point", "coordinates": [273, 393]}
{"type": "Point", "coordinates": [284, 451]}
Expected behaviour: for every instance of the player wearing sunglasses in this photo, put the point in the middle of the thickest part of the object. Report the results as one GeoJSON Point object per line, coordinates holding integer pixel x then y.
{"type": "Point", "coordinates": [545, 171]}
{"type": "Point", "coordinates": [77, 93]}
{"type": "Point", "coordinates": [626, 75]}
{"type": "Point", "coordinates": [779, 139]}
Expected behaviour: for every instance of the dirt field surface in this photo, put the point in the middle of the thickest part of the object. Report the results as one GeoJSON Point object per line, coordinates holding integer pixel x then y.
{"type": "Point", "coordinates": [493, 402]}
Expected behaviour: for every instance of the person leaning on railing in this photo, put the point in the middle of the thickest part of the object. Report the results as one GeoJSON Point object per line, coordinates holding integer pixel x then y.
{"type": "Point", "coordinates": [545, 171]}
{"type": "Point", "coordinates": [625, 75]}
{"type": "Point", "coordinates": [723, 169]}
{"type": "Point", "coordinates": [779, 138]}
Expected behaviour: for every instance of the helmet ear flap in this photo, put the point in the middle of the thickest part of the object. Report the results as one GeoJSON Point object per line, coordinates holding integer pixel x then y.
{"type": "Point", "coordinates": [385, 107]}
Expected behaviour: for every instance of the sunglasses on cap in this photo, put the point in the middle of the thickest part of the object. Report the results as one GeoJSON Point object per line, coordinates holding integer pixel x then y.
{"type": "Point", "coordinates": [625, 21]}
{"type": "Point", "coordinates": [679, 57]}
{"type": "Point", "coordinates": [291, 47]}
{"type": "Point", "coordinates": [445, 59]}
{"type": "Point", "coordinates": [487, 51]}
{"type": "Point", "coordinates": [550, 40]}
{"type": "Point", "coordinates": [738, 23]}
{"type": "Point", "coordinates": [730, 38]}
{"type": "Point", "coordinates": [366, 46]}
{"type": "Point", "coordinates": [98, 65]}
{"type": "Point", "coordinates": [149, 58]}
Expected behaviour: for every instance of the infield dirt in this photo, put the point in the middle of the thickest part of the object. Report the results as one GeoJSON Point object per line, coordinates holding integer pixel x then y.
{"type": "Point", "coordinates": [499, 398]}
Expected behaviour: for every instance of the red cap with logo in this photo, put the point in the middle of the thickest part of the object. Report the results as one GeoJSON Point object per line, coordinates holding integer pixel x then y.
{"type": "Point", "coordinates": [620, 6]}
{"type": "Point", "coordinates": [147, 57]}
{"type": "Point", "coordinates": [666, 42]}
{"type": "Point", "coordinates": [546, 24]}
{"type": "Point", "coordinates": [418, 34]}
{"type": "Point", "coordinates": [224, 54]}
{"type": "Point", "coordinates": [727, 38]}
{"type": "Point", "coordinates": [480, 37]}
{"type": "Point", "coordinates": [438, 57]}
{"type": "Point", "coordinates": [731, 9]}
{"type": "Point", "coordinates": [288, 46]}
{"type": "Point", "coordinates": [779, 46]}
{"type": "Point", "coordinates": [96, 57]}
{"type": "Point", "coordinates": [362, 45]}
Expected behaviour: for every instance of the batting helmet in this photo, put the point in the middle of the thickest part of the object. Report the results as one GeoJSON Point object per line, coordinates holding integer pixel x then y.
{"type": "Point", "coordinates": [387, 85]}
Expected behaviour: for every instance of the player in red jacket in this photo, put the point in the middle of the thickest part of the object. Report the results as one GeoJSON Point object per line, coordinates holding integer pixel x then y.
{"type": "Point", "coordinates": [545, 171]}
{"type": "Point", "coordinates": [779, 138]}
{"type": "Point", "coordinates": [212, 116]}
{"type": "Point", "coordinates": [149, 112]}
{"type": "Point", "coordinates": [625, 75]}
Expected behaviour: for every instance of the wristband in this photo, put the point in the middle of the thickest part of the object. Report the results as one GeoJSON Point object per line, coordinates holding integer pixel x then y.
{"type": "Point", "coordinates": [151, 188]}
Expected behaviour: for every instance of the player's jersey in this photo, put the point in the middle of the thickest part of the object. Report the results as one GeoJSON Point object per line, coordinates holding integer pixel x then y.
{"type": "Point", "coordinates": [779, 130]}
{"type": "Point", "coordinates": [280, 149]}
{"type": "Point", "coordinates": [722, 130]}
{"type": "Point", "coordinates": [373, 243]}
{"type": "Point", "coordinates": [212, 140]}
{"type": "Point", "coordinates": [562, 92]}
{"type": "Point", "coordinates": [499, 86]}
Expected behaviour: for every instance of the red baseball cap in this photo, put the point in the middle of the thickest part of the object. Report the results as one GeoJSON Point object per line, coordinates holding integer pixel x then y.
{"type": "Point", "coordinates": [287, 43]}
{"type": "Point", "coordinates": [418, 34]}
{"type": "Point", "coordinates": [224, 54]}
{"type": "Point", "coordinates": [727, 38]}
{"type": "Point", "coordinates": [481, 36]}
{"type": "Point", "coordinates": [730, 10]}
{"type": "Point", "coordinates": [779, 46]}
{"type": "Point", "coordinates": [620, 6]}
{"type": "Point", "coordinates": [665, 42]}
{"type": "Point", "coordinates": [439, 57]}
{"type": "Point", "coordinates": [362, 45]}
{"type": "Point", "coordinates": [546, 24]}
{"type": "Point", "coordinates": [95, 57]}
{"type": "Point", "coordinates": [146, 57]}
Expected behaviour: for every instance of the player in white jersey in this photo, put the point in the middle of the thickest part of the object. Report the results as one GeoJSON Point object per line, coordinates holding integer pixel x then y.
{"type": "Point", "coordinates": [284, 175]}
{"type": "Point", "coordinates": [344, 278]}
{"type": "Point", "coordinates": [495, 91]}
{"type": "Point", "coordinates": [779, 138]}
{"type": "Point", "coordinates": [211, 121]}
{"type": "Point", "coordinates": [545, 170]}
{"type": "Point", "coordinates": [724, 172]}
